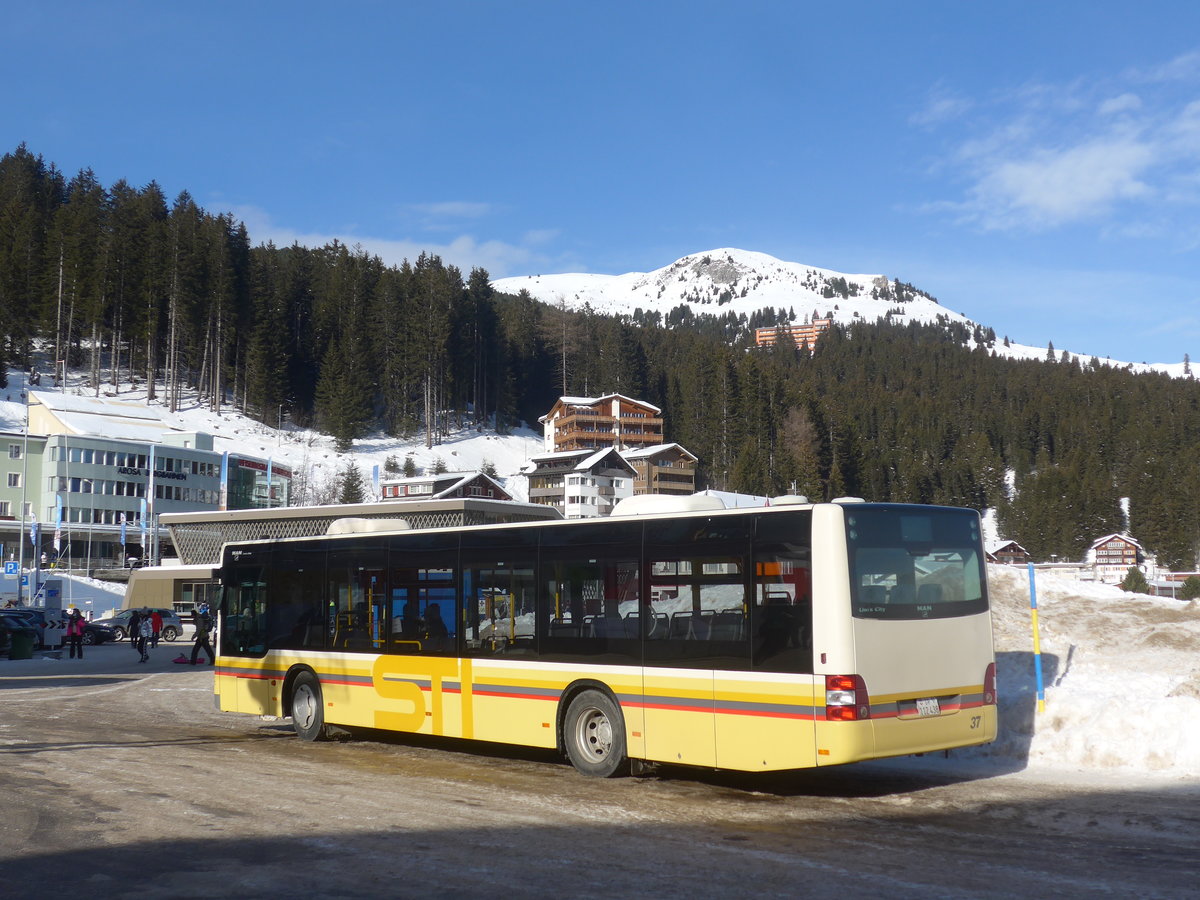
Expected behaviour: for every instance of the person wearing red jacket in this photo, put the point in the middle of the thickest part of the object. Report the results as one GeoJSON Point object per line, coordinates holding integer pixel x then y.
{"type": "Point", "coordinates": [155, 627]}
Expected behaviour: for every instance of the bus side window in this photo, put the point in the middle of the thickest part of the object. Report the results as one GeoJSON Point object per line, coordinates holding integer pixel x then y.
{"type": "Point", "coordinates": [782, 615]}
{"type": "Point", "coordinates": [498, 608]}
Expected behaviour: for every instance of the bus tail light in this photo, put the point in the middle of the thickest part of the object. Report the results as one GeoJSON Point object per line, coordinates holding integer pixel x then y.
{"type": "Point", "coordinates": [846, 698]}
{"type": "Point", "coordinates": [989, 685]}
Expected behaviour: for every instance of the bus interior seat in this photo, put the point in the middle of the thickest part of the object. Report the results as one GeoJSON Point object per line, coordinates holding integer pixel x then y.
{"type": "Point", "coordinates": [929, 593]}
{"type": "Point", "coordinates": [873, 594]}
{"type": "Point", "coordinates": [658, 626]}
{"type": "Point", "coordinates": [691, 626]}
{"type": "Point", "coordinates": [632, 621]}
{"type": "Point", "coordinates": [727, 626]}
{"type": "Point", "coordinates": [563, 628]}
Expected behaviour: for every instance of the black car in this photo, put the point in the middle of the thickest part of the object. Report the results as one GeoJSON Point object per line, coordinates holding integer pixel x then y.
{"type": "Point", "coordinates": [98, 634]}
{"type": "Point", "coordinates": [11, 625]}
{"type": "Point", "coordinates": [20, 617]}
{"type": "Point", "coordinates": [172, 626]}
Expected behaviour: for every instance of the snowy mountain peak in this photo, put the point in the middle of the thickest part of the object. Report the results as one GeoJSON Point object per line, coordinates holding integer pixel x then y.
{"type": "Point", "coordinates": [741, 282]}
{"type": "Point", "coordinates": [745, 282]}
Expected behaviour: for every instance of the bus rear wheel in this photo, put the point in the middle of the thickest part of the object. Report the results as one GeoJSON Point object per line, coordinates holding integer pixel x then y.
{"type": "Point", "coordinates": [308, 708]}
{"type": "Point", "coordinates": [594, 735]}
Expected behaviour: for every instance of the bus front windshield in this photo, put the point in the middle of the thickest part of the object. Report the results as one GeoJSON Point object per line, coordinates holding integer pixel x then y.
{"type": "Point", "coordinates": [915, 563]}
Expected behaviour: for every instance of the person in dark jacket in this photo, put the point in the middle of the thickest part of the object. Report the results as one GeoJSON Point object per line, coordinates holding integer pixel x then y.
{"type": "Point", "coordinates": [135, 632]}
{"type": "Point", "coordinates": [204, 624]}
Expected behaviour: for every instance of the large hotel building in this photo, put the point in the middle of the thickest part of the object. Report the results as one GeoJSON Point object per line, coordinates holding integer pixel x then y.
{"type": "Point", "coordinates": [100, 472]}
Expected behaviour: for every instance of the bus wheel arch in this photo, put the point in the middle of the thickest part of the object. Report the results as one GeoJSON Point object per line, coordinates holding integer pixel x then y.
{"type": "Point", "coordinates": [305, 704]}
{"type": "Point", "coordinates": [591, 730]}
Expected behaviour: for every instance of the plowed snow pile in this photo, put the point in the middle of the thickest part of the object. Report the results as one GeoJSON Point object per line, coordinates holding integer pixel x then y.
{"type": "Point", "coordinates": [1121, 674]}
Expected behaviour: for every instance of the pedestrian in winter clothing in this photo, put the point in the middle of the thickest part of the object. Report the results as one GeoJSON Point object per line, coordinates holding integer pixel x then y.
{"type": "Point", "coordinates": [156, 625]}
{"type": "Point", "coordinates": [204, 624]}
{"type": "Point", "coordinates": [135, 633]}
{"type": "Point", "coordinates": [75, 631]}
{"type": "Point", "coordinates": [146, 632]}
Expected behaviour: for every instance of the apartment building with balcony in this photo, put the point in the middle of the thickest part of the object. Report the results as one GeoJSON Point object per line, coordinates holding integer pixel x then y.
{"type": "Point", "coordinates": [580, 484]}
{"type": "Point", "coordinates": [805, 336]}
{"type": "Point", "coordinates": [663, 469]}
{"type": "Point", "coordinates": [99, 472]}
{"type": "Point", "coordinates": [590, 423]}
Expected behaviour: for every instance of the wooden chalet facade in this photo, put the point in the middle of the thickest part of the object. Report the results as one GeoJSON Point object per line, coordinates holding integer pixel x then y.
{"type": "Point", "coordinates": [590, 423]}
{"type": "Point", "coordinates": [1113, 555]}
{"type": "Point", "coordinates": [1007, 553]}
{"type": "Point", "coordinates": [664, 469]}
{"type": "Point", "coordinates": [444, 486]}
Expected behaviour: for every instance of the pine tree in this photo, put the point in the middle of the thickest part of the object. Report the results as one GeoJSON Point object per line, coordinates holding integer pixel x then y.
{"type": "Point", "coordinates": [1135, 582]}
{"type": "Point", "coordinates": [351, 487]}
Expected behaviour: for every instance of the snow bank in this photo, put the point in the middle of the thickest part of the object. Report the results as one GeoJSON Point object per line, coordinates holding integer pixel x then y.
{"type": "Point", "coordinates": [1121, 674]}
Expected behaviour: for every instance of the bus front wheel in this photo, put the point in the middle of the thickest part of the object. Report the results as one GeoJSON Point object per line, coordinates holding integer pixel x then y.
{"type": "Point", "coordinates": [594, 734]}
{"type": "Point", "coordinates": [308, 713]}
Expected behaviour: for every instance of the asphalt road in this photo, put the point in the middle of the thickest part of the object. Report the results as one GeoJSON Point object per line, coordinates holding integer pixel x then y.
{"type": "Point", "coordinates": [120, 779]}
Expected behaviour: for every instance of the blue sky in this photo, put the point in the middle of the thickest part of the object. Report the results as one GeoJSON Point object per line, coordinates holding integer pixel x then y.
{"type": "Point", "coordinates": [1035, 166]}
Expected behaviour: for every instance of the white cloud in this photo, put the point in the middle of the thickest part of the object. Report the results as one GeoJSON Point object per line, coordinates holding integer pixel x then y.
{"type": "Point", "coordinates": [1092, 151]}
{"type": "Point", "coordinates": [453, 209]}
{"type": "Point", "coordinates": [1126, 102]}
{"type": "Point", "coordinates": [1185, 67]}
{"type": "Point", "coordinates": [1050, 187]}
{"type": "Point", "coordinates": [499, 258]}
{"type": "Point", "coordinates": [940, 106]}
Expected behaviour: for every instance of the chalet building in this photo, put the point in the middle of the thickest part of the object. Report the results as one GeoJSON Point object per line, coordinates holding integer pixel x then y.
{"type": "Point", "coordinates": [1007, 553]}
{"type": "Point", "coordinates": [444, 486]}
{"type": "Point", "coordinates": [590, 423]}
{"type": "Point", "coordinates": [580, 484]}
{"type": "Point", "coordinates": [664, 469]}
{"type": "Point", "coordinates": [804, 335]}
{"type": "Point", "coordinates": [1112, 556]}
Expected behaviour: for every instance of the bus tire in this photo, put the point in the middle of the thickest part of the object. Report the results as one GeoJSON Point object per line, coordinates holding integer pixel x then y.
{"type": "Point", "coordinates": [594, 735]}
{"type": "Point", "coordinates": [308, 708]}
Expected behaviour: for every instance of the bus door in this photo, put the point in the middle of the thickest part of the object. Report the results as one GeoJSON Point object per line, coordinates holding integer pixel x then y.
{"type": "Point", "coordinates": [589, 600]}
{"type": "Point", "coordinates": [694, 636]}
{"type": "Point", "coordinates": [358, 599]}
{"type": "Point", "coordinates": [243, 639]}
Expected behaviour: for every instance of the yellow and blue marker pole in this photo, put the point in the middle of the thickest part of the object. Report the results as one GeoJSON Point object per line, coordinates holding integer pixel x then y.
{"type": "Point", "coordinates": [1037, 644]}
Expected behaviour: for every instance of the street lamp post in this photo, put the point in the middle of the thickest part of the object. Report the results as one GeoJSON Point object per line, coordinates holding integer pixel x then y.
{"type": "Point", "coordinates": [24, 494]}
{"type": "Point", "coordinates": [91, 516]}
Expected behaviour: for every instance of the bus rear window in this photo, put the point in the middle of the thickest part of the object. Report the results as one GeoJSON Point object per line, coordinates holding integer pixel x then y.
{"type": "Point", "coordinates": [915, 563]}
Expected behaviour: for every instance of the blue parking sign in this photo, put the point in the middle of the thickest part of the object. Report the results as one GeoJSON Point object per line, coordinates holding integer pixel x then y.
{"type": "Point", "coordinates": [11, 568]}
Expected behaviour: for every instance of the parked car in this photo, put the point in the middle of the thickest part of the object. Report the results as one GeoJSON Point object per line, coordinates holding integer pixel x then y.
{"type": "Point", "coordinates": [10, 625]}
{"type": "Point", "coordinates": [26, 617]}
{"type": "Point", "coordinates": [94, 633]}
{"type": "Point", "coordinates": [172, 626]}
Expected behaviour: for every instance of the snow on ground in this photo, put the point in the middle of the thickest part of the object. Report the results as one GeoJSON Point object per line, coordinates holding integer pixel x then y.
{"type": "Point", "coordinates": [1121, 676]}
{"type": "Point", "coordinates": [309, 454]}
{"type": "Point", "coordinates": [1121, 671]}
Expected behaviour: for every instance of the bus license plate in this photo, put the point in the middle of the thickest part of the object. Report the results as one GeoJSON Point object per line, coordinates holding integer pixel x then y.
{"type": "Point", "coordinates": [928, 706]}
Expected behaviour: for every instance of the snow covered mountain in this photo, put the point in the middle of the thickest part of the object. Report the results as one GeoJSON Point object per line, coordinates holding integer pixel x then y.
{"type": "Point", "coordinates": [744, 282]}
{"type": "Point", "coordinates": [741, 282]}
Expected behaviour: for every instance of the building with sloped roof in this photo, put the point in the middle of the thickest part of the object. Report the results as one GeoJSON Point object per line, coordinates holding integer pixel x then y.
{"type": "Point", "coordinates": [580, 484]}
{"type": "Point", "coordinates": [444, 486]}
{"type": "Point", "coordinates": [662, 469]}
{"type": "Point", "coordinates": [589, 423]}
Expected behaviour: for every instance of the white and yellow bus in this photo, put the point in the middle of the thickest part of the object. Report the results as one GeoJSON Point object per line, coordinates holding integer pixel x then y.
{"type": "Point", "coordinates": [757, 639]}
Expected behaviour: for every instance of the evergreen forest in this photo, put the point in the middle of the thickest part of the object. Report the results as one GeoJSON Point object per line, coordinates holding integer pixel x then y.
{"type": "Point", "coordinates": [128, 285]}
